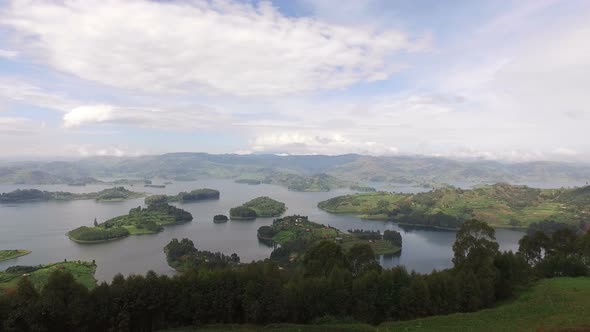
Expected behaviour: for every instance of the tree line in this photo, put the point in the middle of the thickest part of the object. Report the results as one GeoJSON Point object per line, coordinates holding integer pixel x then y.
{"type": "Point", "coordinates": [328, 282]}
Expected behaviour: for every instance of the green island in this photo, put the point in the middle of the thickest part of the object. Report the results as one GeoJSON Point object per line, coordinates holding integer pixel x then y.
{"type": "Point", "coordinates": [83, 272]}
{"type": "Point", "coordinates": [138, 221]}
{"type": "Point", "coordinates": [33, 195]}
{"type": "Point", "coordinates": [12, 254]}
{"type": "Point", "coordinates": [220, 218]}
{"type": "Point", "coordinates": [263, 207]}
{"type": "Point", "coordinates": [184, 197]}
{"type": "Point", "coordinates": [182, 256]}
{"type": "Point", "coordinates": [296, 234]}
{"type": "Point", "coordinates": [499, 205]}
{"type": "Point", "coordinates": [248, 181]}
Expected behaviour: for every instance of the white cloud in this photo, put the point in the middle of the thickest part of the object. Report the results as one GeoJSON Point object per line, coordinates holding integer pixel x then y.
{"type": "Point", "coordinates": [13, 89]}
{"type": "Point", "coordinates": [8, 54]}
{"type": "Point", "coordinates": [178, 118]}
{"type": "Point", "coordinates": [215, 46]}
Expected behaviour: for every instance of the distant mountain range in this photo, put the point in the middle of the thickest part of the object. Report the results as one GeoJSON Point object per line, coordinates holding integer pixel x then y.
{"type": "Point", "coordinates": [306, 173]}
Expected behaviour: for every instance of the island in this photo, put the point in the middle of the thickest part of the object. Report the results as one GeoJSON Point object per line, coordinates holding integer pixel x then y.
{"type": "Point", "coordinates": [296, 233]}
{"type": "Point", "coordinates": [220, 218]}
{"type": "Point", "coordinates": [185, 197]}
{"type": "Point", "coordinates": [182, 256]}
{"type": "Point", "coordinates": [363, 188]}
{"type": "Point", "coordinates": [499, 205]}
{"type": "Point", "coordinates": [258, 207]}
{"type": "Point", "coordinates": [248, 181]}
{"type": "Point", "coordinates": [12, 254]}
{"type": "Point", "coordinates": [138, 221]}
{"type": "Point", "coordinates": [82, 271]}
{"type": "Point", "coordinates": [33, 195]}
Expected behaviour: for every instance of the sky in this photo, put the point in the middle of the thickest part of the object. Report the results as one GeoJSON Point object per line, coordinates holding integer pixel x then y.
{"type": "Point", "coordinates": [500, 80]}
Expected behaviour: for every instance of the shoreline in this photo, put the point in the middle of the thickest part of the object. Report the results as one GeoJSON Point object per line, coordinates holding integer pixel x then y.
{"type": "Point", "coordinates": [21, 252]}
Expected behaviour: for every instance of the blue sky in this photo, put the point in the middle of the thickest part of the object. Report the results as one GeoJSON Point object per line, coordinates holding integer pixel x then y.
{"type": "Point", "coordinates": [503, 80]}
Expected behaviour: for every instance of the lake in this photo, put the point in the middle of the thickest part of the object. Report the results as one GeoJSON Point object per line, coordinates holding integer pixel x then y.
{"type": "Point", "coordinates": [42, 227]}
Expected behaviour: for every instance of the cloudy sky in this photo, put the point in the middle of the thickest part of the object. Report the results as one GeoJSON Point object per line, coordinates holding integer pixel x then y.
{"type": "Point", "coordinates": [507, 80]}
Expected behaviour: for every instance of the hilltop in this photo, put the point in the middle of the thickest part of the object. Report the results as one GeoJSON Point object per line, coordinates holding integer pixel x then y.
{"type": "Point", "coordinates": [500, 205]}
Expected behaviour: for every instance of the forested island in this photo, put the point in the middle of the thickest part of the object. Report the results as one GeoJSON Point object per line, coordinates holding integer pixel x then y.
{"type": "Point", "coordinates": [499, 205]}
{"type": "Point", "coordinates": [296, 234]}
{"type": "Point", "coordinates": [138, 221]}
{"type": "Point", "coordinates": [258, 207]}
{"type": "Point", "coordinates": [182, 256]}
{"type": "Point", "coordinates": [363, 188]}
{"type": "Point", "coordinates": [12, 254]}
{"type": "Point", "coordinates": [248, 181]}
{"type": "Point", "coordinates": [33, 195]}
{"type": "Point", "coordinates": [220, 218]}
{"type": "Point", "coordinates": [185, 197]}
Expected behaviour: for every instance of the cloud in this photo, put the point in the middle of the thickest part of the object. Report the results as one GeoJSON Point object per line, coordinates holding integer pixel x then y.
{"type": "Point", "coordinates": [176, 118]}
{"type": "Point", "coordinates": [215, 46]}
{"type": "Point", "coordinates": [321, 143]}
{"type": "Point", "coordinates": [13, 89]}
{"type": "Point", "coordinates": [8, 54]}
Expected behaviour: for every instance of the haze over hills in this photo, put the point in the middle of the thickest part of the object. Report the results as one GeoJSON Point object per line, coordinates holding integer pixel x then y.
{"type": "Point", "coordinates": [299, 172]}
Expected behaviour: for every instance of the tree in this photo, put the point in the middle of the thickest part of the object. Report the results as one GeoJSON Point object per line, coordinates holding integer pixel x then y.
{"type": "Point", "coordinates": [475, 245]}
{"type": "Point", "coordinates": [95, 223]}
{"type": "Point", "coordinates": [361, 258]}
{"type": "Point", "coordinates": [322, 258]}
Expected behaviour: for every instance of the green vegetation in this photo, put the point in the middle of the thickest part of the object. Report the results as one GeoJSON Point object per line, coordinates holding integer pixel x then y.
{"type": "Point", "coordinates": [184, 197]}
{"type": "Point", "coordinates": [31, 195]}
{"type": "Point", "coordinates": [220, 218]}
{"type": "Point", "coordinates": [258, 207]}
{"type": "Point", "coordinates": [296, 234]}
{"type": "Point", "coordinates": [363, 189]}
{"type": "Point", "coordinates": [182, 256]}
{"type": "Point", "coordinates": [12, 254]}
{"type": "Point", "coordinates": [83, 273]}
{"type": "Point", "coordinates": [248, 181]}
{"type": "Point", "coordinates": [500, 205]}
{"type": "Point", "coordinates": [138, 221]}
{"type": "Point", "coordinates": [332, 288]}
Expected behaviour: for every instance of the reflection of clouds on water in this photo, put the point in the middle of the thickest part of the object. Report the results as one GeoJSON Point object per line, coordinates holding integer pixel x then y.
{"type": "Point", "coordinates": [41, 227]}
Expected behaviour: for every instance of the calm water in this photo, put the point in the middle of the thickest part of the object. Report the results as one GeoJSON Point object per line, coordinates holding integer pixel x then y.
{"type": "Point", "coordinates": [41, 227]}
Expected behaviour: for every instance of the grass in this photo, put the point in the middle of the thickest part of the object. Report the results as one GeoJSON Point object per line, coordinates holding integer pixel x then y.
{"type": "Point", "coordinates": [83, 272]}
{"type": "Point", "coordinates": [560, 304]}
{"type": "Point", "coordinates": [12, 254]}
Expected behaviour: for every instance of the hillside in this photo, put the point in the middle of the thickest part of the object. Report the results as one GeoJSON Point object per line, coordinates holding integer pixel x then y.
{"type": "Point", "coordinates": [500, 205]}
{"type": "Point", "coordinates": [552, 305]}
{"type": "Point", "coordinates": [302, 173]}
{"type": "Point", "coordinates": [31, 195]}
{"type": "Point", "coordinates": [83, 273]}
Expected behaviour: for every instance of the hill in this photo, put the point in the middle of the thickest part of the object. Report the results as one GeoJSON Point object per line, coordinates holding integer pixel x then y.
{"type": "Point", "coordinates": [258, 207]}
{"type": "Point", "coordinates": [83, 273]}
{"type": "Point", "coordinates": [559, 304]}
{"type": "Point", "coordinates": [302, 173]}
{"type": "Point", "coordinates": [32, 195]}
{"type": "Point", "coordinates": [500, 205]}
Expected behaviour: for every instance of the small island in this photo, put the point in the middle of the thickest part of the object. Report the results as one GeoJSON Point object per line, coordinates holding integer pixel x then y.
{"type": "Point", "coordinates": [12, 254]}
{"type": "Point", "coordinates": [138, 221]}
{"type": "Point", "coordinates": [83, 273]}
{"type": "Point", "coordinates": [34, 195]}
{"type": "Point", "coordinates": [182, 256]}
{"type": "Point", "coordinates": [258, 207]}
{"type": "Point", "coordinates": [296, 233]}
{"type": "Point", "coordinates": [363, 188]}
{"type": "Point", "coordinates": [249, 181]}
{"type": "Point", "coordinates": [220, 218]}
{"type": "Point", "coordinates": [185, 197]}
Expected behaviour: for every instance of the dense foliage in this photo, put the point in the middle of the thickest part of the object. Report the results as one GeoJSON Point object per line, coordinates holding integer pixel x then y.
{"type": "Point", "coordinates": [329, 282]}
{"type": "Point", "coordinates": [220, 218]}
{"type": "Point", "coordinates": [92, 234]}
{"type": "Point", "coordinates": [192, 196]}
{"type": "Point", "coordinates": [242, 212]}
{"type": "Point", "coordinates": [258, 207]}
{"type": "Point", "coordinates": [182, 255]}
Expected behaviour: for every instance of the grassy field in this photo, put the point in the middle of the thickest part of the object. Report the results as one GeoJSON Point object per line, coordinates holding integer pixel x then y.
{"type": "Point", "coordinates": [12, 254]}
{"type": "Point", "coordinates": [560, 304]}
{"type": "Point", "coordinates": [83, 272]}
{"type": "Point", "coordinates": [499, 205]}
